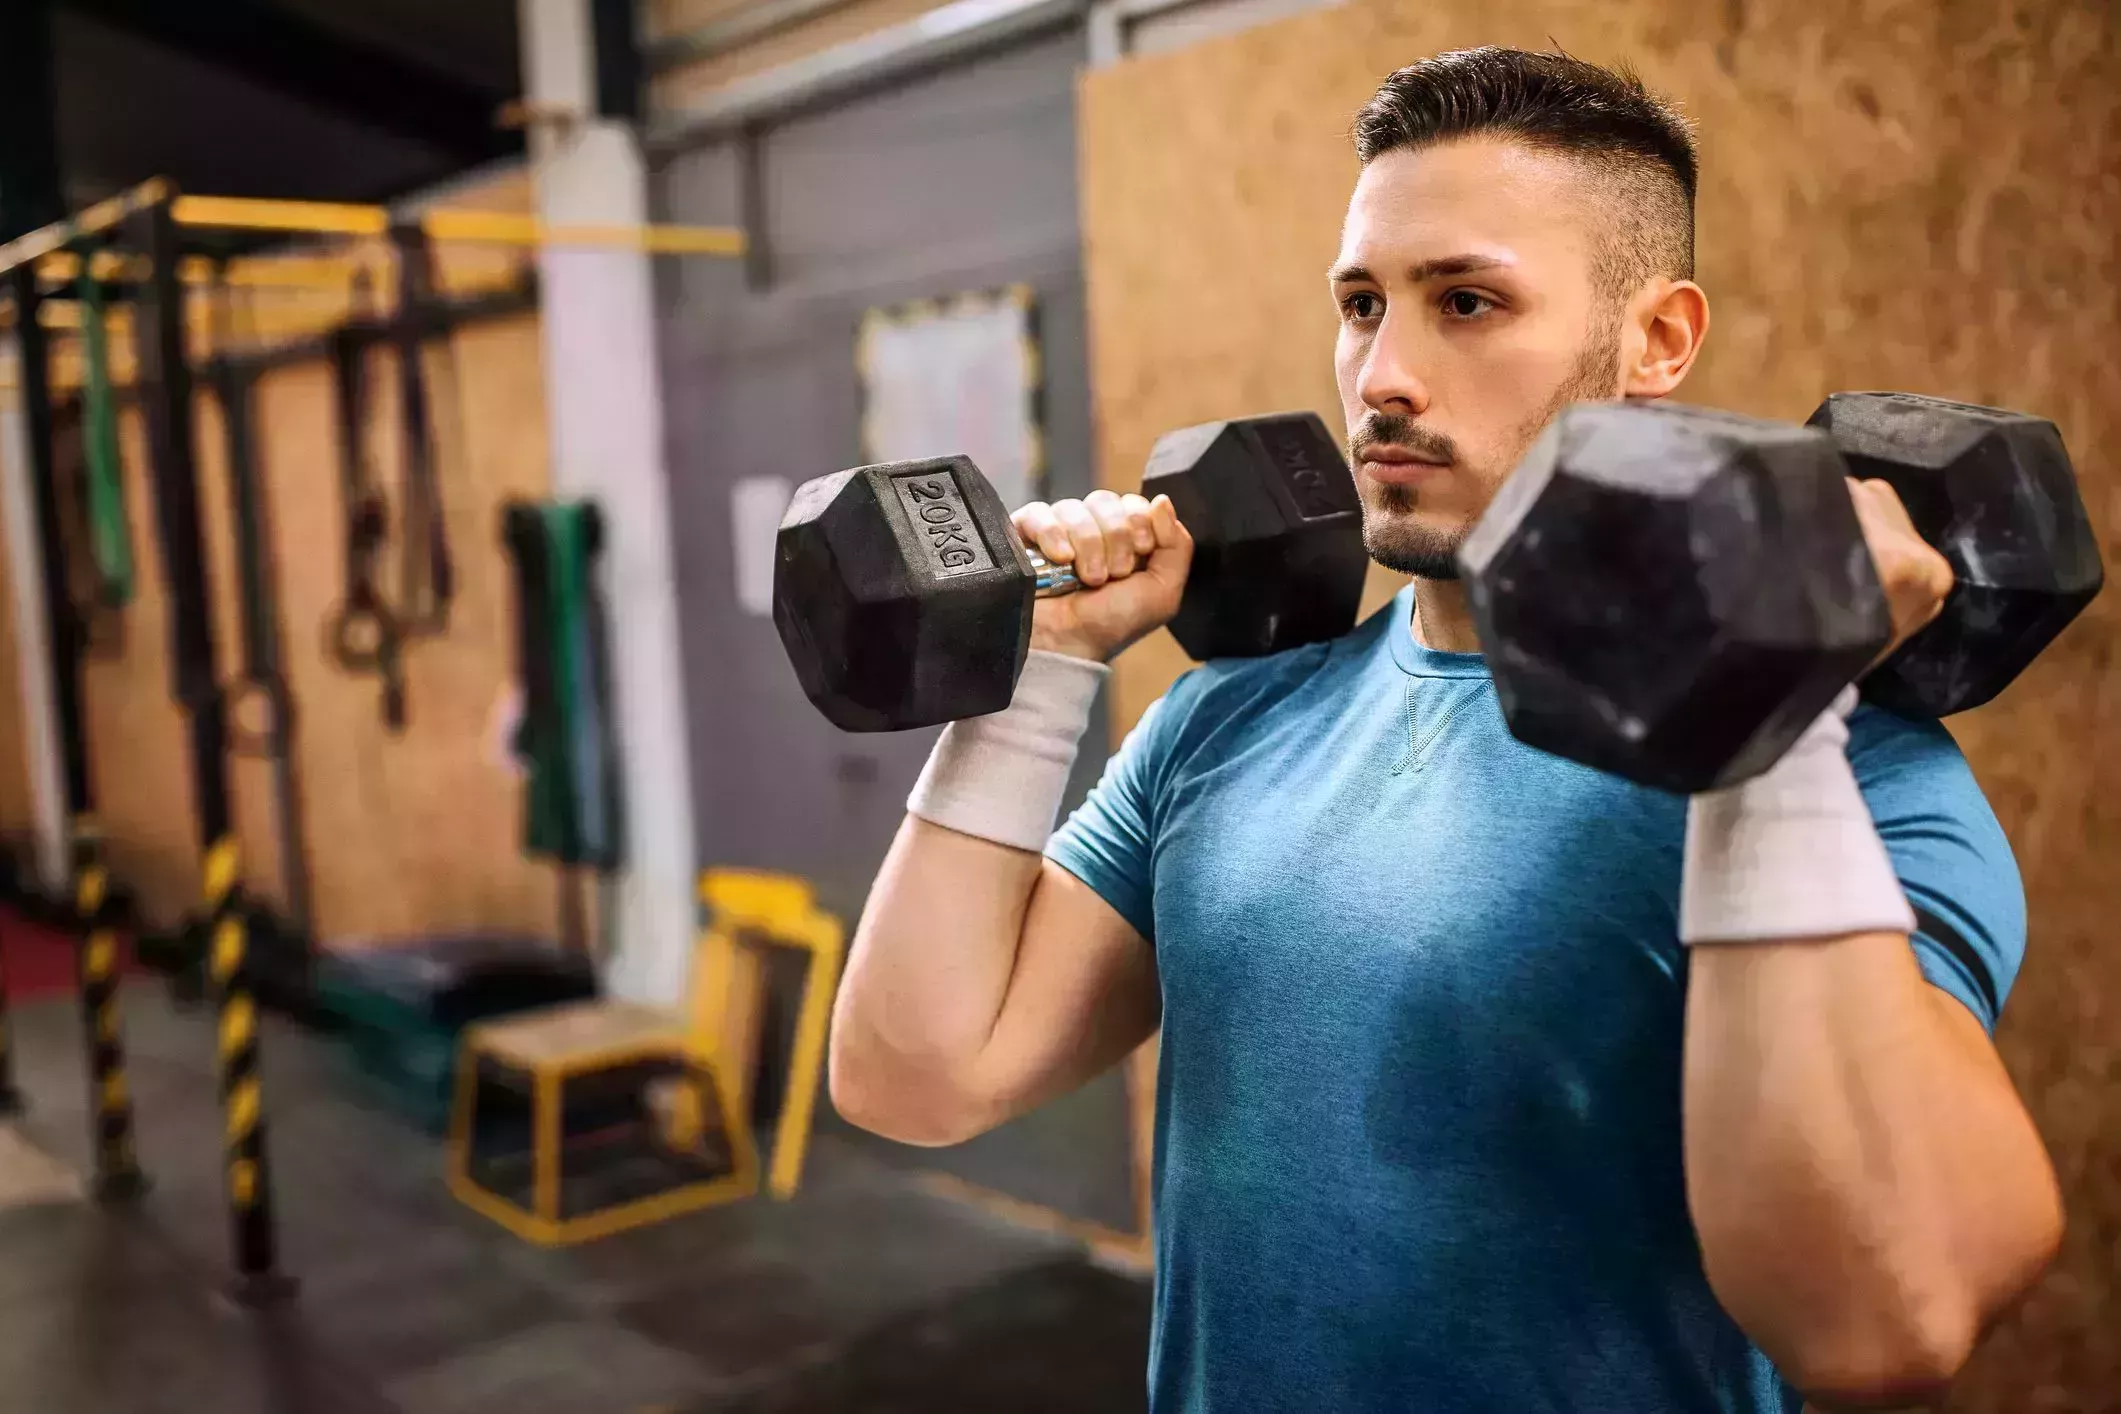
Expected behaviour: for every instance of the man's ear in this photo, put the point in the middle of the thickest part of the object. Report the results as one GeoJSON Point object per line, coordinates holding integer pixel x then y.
{"type": "Point", "coordinates": [1666, 322]}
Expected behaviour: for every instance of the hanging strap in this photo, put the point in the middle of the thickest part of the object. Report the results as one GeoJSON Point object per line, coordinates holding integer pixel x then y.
{"type": "Point", "coordinates": [362, 633]}
{"type": "Point", "coordinates": [427, 581]}
{"type": "Point", "coordinates": [260, 698]}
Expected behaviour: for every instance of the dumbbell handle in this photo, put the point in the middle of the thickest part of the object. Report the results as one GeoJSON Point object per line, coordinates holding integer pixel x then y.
{"type": "Point", "coordinates": [1053, 580]}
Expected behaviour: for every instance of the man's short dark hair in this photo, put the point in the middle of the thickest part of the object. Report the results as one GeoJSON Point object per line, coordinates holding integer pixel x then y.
{"type": "Point", "coordinates": [1635, 140]}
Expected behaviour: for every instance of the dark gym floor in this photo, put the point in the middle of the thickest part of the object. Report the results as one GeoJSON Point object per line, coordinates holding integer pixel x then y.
{"type": "Point", "coordinates": [864, 1295]}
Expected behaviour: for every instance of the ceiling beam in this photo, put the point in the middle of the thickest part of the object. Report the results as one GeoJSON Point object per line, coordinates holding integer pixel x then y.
{"type": "Point", "coordinates": [281, 51]}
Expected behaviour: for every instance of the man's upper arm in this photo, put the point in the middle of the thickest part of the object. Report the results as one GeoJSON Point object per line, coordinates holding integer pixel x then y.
{"type": "Point", "coordinates": [1083, 995]}
{"type": "Point", "coordinates": [1952, 858]}
{"type": "Point", "coordinates": [1084, 991]}
{"type": "Point", "coordinates": [1109, 843]}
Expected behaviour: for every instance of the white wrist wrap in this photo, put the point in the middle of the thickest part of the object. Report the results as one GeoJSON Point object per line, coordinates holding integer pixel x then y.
{"type": "Point", "coordinates": [1002, 777]}
{"type": "Point", "coordinates": [1792, 853]}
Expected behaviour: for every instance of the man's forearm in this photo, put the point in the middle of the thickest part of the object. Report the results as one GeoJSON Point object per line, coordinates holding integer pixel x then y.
{"type": "Point", "coordinates": [933, 958]}
{"type": "Point", "coordinates": [1867, 1188]}
{"type": "Point", "coordinates": [929, 969]}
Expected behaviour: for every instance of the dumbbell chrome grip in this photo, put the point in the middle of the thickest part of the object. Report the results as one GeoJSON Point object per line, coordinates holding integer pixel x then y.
{"type": "Point", "coordinates": [1053, 580]}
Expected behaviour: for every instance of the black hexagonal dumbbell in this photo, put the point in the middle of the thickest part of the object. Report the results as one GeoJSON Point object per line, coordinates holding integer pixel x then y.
{"type": "Point", "coordinates": [1995, 493]}
{"type": "Point", "coordinates": [1673, 593]}
{"type": "Point", "coordinates": [904, 597]}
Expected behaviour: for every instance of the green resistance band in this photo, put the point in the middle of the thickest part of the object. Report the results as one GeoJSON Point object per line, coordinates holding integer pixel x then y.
{"type": "Point", "coordinates": [110, 541]}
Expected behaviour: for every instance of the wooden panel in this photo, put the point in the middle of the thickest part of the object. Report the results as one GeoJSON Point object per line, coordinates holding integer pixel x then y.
{"type": "Point", "coordinates": [567, 1033]}
{"type": "Point", "coordinates": [137, 763]}
{"type": "Point", "coordinates": [1896, 193]}
{"type": "Point", "coordinates": [406, 834]}
{"type": "Point", "coordinates": [409, 833]}
{"type": "Point", "coordinates": [417, 831]}
{"type": "Point", "coordinates": [138, 772]}
{"type": "Point", "coordinates": [838, 26]}
{"type": "Point", "coordinates": [661, 19]}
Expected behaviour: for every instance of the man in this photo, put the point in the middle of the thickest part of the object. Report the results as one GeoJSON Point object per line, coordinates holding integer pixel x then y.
{"type": "Point", "coordinates": [1488, 1081]}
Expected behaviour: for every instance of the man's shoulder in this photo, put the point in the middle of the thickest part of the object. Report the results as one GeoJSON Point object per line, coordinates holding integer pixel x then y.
{"type": "Point", "coordinates": [1891, 751]}
{"type": "Point", "coordinates": [1235, 692]}
{"type": "Point", "coordinates": [1953, 858]}
{"type": "Point", "coordinates": [1918, 782]}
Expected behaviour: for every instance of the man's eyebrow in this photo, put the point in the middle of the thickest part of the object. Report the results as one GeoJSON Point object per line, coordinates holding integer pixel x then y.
{"type": "Point", "coordinates": [1442, 267]}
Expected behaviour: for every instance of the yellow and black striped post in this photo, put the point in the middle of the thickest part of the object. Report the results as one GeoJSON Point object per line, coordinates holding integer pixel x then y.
{"type": "Point", "coordinates": [243, 1113]}
{"type": "Point", "coordinates": [118, 1176]}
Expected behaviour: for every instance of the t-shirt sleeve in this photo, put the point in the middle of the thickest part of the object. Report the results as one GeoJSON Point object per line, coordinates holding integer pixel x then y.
{"type": "Point", "coordinates": [1950, 853]}
{"type": "Point", "coordinates": [1110, 841]}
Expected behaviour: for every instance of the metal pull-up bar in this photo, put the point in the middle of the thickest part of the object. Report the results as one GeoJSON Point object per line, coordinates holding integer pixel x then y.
{"type": "Point", "coordinates": [233, 213]}
{"type": "Point", "coordinates": [93, 220]}
{"type": "Point", "coordinates": [237, 213]}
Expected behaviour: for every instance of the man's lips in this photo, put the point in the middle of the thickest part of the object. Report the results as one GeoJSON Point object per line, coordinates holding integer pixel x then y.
{"type": "Point", "coordinates": [1399, 465]}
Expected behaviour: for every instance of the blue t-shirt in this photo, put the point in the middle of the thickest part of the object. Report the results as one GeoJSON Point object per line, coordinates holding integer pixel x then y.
{"type": "Point", "coordinates": [1418, 1138]}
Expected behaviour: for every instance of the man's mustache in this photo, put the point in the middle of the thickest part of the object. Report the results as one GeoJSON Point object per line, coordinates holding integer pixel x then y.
{"type": "Point", "coordinates": [1381, 429]}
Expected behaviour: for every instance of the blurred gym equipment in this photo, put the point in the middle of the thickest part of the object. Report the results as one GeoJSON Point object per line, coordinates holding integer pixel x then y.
{"type": "Point", "coordinates": [584, 1120]}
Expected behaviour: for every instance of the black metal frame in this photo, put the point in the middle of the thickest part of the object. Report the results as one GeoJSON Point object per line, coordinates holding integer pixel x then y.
{"type": "Point", "coordinates": [615, 40]}
{"type": "Point", "coordinates": [262, 674]}
{"type": "Point", "coordinates": [165, 379]}
{"type": "Point", "coordinates": [164, 393]}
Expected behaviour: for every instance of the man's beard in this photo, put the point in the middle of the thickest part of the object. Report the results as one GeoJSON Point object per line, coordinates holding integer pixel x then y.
{"type": "Point", "coordinates": [1427, 552]}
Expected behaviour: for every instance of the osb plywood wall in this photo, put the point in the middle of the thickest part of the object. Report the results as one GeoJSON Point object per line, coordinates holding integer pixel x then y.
{"type": "Point", "coordinates": [136, 745]}
{"type": "Point", "coordinates": [1896, 193]}
{"type": "Point", "coordinates": [419, 830]}
{"type": "Point", "coordinates": [661, 19]}
{"type": "Point", "coordinates": [410, 832]}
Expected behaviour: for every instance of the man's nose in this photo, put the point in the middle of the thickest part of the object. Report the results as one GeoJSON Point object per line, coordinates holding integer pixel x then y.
{"type": "Point", "coordinates": [1389, 383]}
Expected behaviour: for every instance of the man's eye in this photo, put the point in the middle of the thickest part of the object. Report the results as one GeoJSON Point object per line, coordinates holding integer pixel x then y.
{"type": "Point", "coordinates": [1465, 304]}
{"type": "Point", "coordinates": [1362, 306]}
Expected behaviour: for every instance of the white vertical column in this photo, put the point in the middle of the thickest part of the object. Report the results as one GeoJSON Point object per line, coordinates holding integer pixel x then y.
{"type": "Point", "coordinates": [25, 569]}
{"type": "Point", "coordinates": [604, 404]}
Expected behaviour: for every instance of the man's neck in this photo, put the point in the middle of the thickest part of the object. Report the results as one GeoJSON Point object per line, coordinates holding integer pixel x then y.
{"type": "Point", "coordinates": [1443, 621]}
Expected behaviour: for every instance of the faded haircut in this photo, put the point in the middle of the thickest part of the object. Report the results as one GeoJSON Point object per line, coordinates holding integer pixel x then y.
{"type": "Point", "coordinates": [1638, 144]}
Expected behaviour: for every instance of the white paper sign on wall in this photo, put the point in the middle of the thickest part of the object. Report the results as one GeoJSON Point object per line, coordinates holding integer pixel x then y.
{"type": "Point", "coordinates": [957, 376]}
{"type": "Point", "coordinates": [756, 504]}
